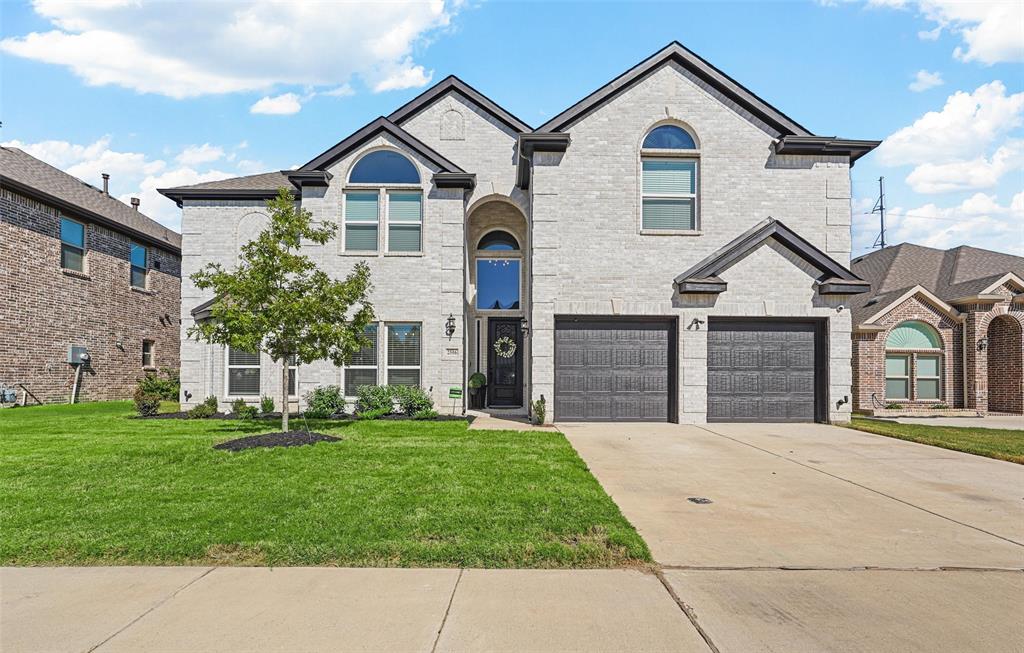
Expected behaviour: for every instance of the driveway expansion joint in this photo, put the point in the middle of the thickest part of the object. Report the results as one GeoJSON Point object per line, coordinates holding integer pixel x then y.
{"type": "Point", "coordinates": [448, 609]}
{"type": "Point", "coordinates": [687, 610]}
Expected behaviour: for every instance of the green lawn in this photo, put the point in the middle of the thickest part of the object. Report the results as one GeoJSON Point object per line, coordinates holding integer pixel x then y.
{"type": "Point", "coordinates": [88, 484]}
{"type": "Point", "coordinates": [1002, 444]}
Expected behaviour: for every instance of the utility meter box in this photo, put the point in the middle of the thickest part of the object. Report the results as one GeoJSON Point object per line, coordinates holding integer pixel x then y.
{"type": "Point", "coordinates": [77, 355]}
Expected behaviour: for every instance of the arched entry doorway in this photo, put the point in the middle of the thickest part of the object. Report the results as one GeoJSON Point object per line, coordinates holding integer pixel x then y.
{"type": "Point", "coordinates": [1005, 366]}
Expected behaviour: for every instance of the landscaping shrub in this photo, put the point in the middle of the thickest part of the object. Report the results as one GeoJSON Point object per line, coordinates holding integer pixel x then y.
{"type": "Point", "coordinates": [373, 398]}
{"type": "Point", "coordinates": [429, 413]}
{"type": "Point", "coordinates": [243, 410]}
{"type": "Point", "coordinates": [539, 408]}
{"type": "Point", "coordinates": [476, 381]}
{"type": "Point", "coordinates": [373, 414]}
{"type": "Point", "coordinates": [165, 384]}
{"type": "Point", "coordinates": [146, 403]}
{"type": "Point", "coordinates": [325, 401]}
{"type": "Point", "coordinates": [266, 404]}
{"type": "Point", "coordinates": [411, 399]}
{"type": "Point", "coordinates": [205, 409]}
{"type": "Point", "coordinates": [894, 406]}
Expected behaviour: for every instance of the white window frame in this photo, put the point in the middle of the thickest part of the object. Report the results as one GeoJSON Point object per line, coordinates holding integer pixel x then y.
{"type": "Point", "coordinates": [387, 364]}
{"type": "Point", "coordinates": [907, 378]}
{"type": "Point", "coordinates": [152, 354]}
{"type": "Point", "coordinates": [375, 367]}
{"type": "Point", "coordinates": [386, 193]}
{"type": "Point", "coordinates": [227, 376]}
{"type": "Point", "coordinates": [145, 266]}
{"type": "Point", "coordinates": [497, 255]}
{"type": "Point", "coordinates": [84, 248]}
{"type": "Point", "coordinates": [355, 190]}
{"type": "Point", "coordinates": [938, 379]}
{"type": "Point", "coordinates": [671, 155]}
{"type": "Point", "coordinates": [291, 367]}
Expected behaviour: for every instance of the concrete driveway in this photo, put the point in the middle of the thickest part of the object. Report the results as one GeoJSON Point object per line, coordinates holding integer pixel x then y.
{"type": "Point", "coordinates": [819, 538]}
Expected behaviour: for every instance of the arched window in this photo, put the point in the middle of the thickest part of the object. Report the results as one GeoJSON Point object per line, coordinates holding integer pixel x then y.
{"type": "Point", "coordinates": [498, 240]}
{"type": "Point", "coordinates": [399, 209]}
{"type": "Point", "coordinates": [913, 362]}
{"type": "Point", "coordinates": [669, 163]}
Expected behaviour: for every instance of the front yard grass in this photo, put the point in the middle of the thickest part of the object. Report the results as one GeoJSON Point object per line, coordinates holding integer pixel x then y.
{"type": "Point", "coordinates": [1002, 444]}
{"type": "Point", "coordinates": [87, 484]}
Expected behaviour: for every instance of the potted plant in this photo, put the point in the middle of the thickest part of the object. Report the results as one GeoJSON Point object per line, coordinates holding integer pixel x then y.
{"type": "Point", "coordinates": [477, 389]}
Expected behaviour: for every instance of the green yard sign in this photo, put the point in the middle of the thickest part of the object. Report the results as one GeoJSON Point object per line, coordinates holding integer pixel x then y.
{"type": "Point", "coordinates": [455, 393]}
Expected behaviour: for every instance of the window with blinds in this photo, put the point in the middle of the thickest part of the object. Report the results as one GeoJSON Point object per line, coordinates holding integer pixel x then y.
{"type": "Point", "coordinates": [361, 221]}
{"type": "Point", "coordinates": [138, 265]}
{"type": "Point", "coordinates": [72, 245]}
{"type": "Point", "coordinates": [404, 354]}
{"type": "Point", "coordinates": [243, 373]}
{"type": "Point", "coordinates": [362, 369]}
{"type": "Point", "coordinates": [669, 194]}
{"type": "Point", "coordinates": [405, 222]}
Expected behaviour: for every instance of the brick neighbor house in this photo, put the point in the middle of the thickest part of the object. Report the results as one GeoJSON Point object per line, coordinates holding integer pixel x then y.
{"type": "Point", "coordinates": [81, 269]}
{"type": "Point", "coordinates": [669, 248]}
{"type": "Point", "coordinates": [940, 330]}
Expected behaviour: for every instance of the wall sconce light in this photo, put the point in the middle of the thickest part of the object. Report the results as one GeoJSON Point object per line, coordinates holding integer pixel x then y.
{"type": "Point", "coordinates": [524, 326]}
{"type": "Point", "coordinates": [119, 344]}
{"type": "Point", "coordinates": [983, 344]}
{"type": "Point", "coordinates": [449, 326]}
{"type": "Point", "coordinates": [695, 324]}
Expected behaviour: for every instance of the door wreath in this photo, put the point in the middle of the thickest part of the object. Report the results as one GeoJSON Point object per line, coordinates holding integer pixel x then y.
{"type": "Point", "coordinates": [505, 347]}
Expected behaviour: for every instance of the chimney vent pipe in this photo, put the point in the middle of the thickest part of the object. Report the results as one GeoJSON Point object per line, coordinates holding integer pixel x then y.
{"type": "Point", "coordinates": [135, 203]}
{"type": "Point", "coordinates": [106, 184]}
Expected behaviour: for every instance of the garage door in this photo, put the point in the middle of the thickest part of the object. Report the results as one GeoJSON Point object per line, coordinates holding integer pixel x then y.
{"type": "Point", "coordinates": [613, 370]}
{"type": "Point", "coordinates": [763, 370]}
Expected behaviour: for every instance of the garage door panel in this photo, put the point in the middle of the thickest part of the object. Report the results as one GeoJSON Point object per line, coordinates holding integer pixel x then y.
{"type": "Point", "coordinates": [619, 369]}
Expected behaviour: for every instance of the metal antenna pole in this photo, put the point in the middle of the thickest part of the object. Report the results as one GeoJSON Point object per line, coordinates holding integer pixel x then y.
{"type": "Point", "coordinates": [879, 208]}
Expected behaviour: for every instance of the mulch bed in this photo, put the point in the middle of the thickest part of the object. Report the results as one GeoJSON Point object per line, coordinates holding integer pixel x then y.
{"type": "Point", "coordinates": [436, 418]}
{"type": "Point", "coordinates": [286, 439]}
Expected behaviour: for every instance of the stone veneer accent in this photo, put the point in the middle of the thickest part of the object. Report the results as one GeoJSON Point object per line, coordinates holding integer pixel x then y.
{"type": "Point", "coordinates": [44, 309]}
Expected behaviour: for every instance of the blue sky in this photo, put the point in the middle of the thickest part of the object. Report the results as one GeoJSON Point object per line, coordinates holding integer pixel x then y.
{"type": "Point", "coordinates": [163, 94]}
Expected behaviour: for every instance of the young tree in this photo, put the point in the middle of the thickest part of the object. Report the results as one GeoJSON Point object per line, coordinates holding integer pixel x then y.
{"type": "Point", "coordinates": [279, 302]}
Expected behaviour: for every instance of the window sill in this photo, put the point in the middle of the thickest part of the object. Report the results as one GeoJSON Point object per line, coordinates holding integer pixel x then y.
{"type": "Point", "coordinates": [403, 254]}
{"type": "Point", "coordinates": [671, 232]}
{"type": "Point", "coordinates": [142, 291]}
{"type": "Point", "coordinates": [366, 254]}
{"type": "Point", "coordinates": [76, 274]}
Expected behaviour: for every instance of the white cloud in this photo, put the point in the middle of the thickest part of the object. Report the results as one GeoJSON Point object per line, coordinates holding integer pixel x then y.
{"type": "Point", "coordinates": [285, 104]}
{"type": "Point", "coordinates": [925, 80]}
{"type": "Point", "coordinates": [971, 174]}
{"type": "Point", "coordinates": [227, 47]}
{"type": "Point", "coordinates": [195, 154]}
{"type": "Point", "coordinates": [990, 30]}
{"type": "Point", "coordinates": [344, 90]}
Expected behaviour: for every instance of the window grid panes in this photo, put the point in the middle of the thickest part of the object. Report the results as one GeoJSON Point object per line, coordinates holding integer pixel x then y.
{"type": "Point", "coordinates": [72, 245]}
{"type": "Point", "coordinates": [148, 353]}
{"type": "Point", "coordinates": [927, 377]}
{"type": "Point", "coordinates": [669, 137]}
{"type": "Point", "coordinates": [897, 377]}
{"type": "Point", "coordinates": [362, 369]}
{"type": "Point", "coordinates": [384, 167]}
{"type": "Point", "coordinates": [405, 222]}
{"type": "Point", "coordinates": [138, 265]}
{"type": "Point", "coordinates": [293, 375]}
{"type": "Point", "coordinates": [403, 355]}
{"type": "Point", "coordinates": [669, 194]}
{"type": "Point", "coordinates": [243, 373]}
{"type": "Point", "coordinates": [362, 221]}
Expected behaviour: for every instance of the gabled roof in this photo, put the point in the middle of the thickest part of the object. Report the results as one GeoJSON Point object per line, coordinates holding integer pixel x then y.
{"type": "Point", "coordinates": [675, 52]}
{"type": "Point", "coordinates": [453, 84]}
{"type": "Point", "coordinates": [261, 186]}
{"type": "Point", "coordinates": [27, 175]}
{"type": "Point", "coordinates": [704, 277]}
{"type": "Point", "coordinates": [950, 275]}
{"type": "Point", "coordinates": [381, 126]}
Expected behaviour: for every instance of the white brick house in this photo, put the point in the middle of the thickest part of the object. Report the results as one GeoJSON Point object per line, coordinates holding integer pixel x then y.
{"type": "Point", "coordinates": [669, 248]}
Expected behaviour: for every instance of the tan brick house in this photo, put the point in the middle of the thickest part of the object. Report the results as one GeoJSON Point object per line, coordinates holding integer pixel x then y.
{"type": "Point", "coordinates": [940, 330]}
{"type": "Point", "coordinates": [80, 269]}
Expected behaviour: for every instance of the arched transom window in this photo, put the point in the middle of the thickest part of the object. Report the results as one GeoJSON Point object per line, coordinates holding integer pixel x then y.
{"type": "Point", "coordinates": [498, 272]}
{"type": "Point", "coordinates": [670, 162]}
{"type": "Point", "coordinates": [913, 362]}
{"type": "Point", "coordinates": [383, 197]}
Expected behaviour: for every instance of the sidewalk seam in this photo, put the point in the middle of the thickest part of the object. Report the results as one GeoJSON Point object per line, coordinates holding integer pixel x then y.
{"type": "Point", "coordinates": [152, 608]}
{"type": "Point", "coordinates": [444, 619]}
{"type": "Point", "coordinates": [687, 610]}
{"type": "Point", "coordinates": [863, 487]}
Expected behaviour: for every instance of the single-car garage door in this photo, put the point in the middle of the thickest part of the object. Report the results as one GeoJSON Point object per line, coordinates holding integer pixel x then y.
{"type": "Point", "coordinates": [765, 370]}
{"type": "Point", "coordinates": [614, 369]}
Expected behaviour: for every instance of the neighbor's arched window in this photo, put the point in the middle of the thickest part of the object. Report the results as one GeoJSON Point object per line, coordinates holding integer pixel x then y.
{"type": "Point", "coordinates": [913, 362]}
{"type": "Point", "coordinates": [400, 209]}
{"type": "Point", "coordinates": [669, 161]}
{"type": "Point", "coordinates": [498, 240]}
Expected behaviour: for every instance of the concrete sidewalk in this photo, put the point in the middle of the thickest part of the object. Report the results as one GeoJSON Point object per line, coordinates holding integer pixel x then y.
{"type": "Point", "coordinates": [230, 609]}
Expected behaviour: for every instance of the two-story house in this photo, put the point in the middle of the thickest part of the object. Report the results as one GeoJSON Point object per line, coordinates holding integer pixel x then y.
{"type": "Point", "coordinates": [669, 248]}
{"type": "Point", "coordinates": [90, 291]}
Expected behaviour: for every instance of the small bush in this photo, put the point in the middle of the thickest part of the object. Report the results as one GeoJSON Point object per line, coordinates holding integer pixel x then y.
{"type": "Point", "coordinates": [165, 384]}
{"type": "Point", "coordinates": [246, 412]}
{"type": "Point", "coordinates": [325, 401]}
{"type": "Point", "coordinates": [146, 403]}
{"type": "Point", "coordinates": [201, 411]}
{"type": "Point", "coordinates": [940, 407]}
{"type": "Point", "coordinates": [429, 413]}
{"type": "Point", "coordinates": [539, 408]}
{"type": "Point", "coordinates": [373, 398]}
{"type": "Point", "coordinates": [477, 380]}
{"type": "Point", "coordinates": [266, 404]}
{"type": "Point", "coordinates": [411, 399]}
{"type": "Point", "coordinates": [373, 414]}
{"type": "Point", "coordinates": [211, 401]}
{"type": "Point", "coordinates": [238, 405]}
{"type": "Point", "coordinates": [894, 406]}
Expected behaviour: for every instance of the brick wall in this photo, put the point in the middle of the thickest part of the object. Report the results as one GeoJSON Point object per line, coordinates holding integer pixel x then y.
{"type": "Point", "coordinates": [1005, 369]}
{"type": "Point", "coordinates": [44, 309]}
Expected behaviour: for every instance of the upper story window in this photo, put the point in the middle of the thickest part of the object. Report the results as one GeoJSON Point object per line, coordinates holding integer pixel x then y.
{"type": "Point", "coordinates": [913, 362]}
{"type": "Point", "coordinates": [670, 162]}
{"type": "Point", "coordinates": [138, 265]}
{"type": "Point", "coordinates": [72, 245]}
{"type": "Point", "coordinates": [498, 241]}
{"type": "Point", "coordinates": [148, 354]}
{"type": "Point", "coordinates": [392, 210]}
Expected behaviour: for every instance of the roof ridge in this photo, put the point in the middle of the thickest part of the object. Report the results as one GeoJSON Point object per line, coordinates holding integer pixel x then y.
{"type": "Point", "coordinates": [453, 83]}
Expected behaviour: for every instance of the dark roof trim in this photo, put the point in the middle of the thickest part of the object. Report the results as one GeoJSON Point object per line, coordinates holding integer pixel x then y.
{"type": "Point", "coordinates": [300, 178]}
{"type": "Point", "coordinates": [456, 85]}
{"type": "Point", "coordinates": [73, 210]}
{"type": "Point", "coordinates": [834, 275]}
{"type": "Point", "coordinates": [675, 52]}
{"type": "Point", "coordinates": [204, 311]}
{"type": "Point", "coordinates": [464, 180]}
{"type": "Point", "coordinates": [843, 287]}
{"type": "Point", "coordinates": [181, 194]}
{"type": "Point", "coordinates": [530, 143]}
{"type": "Point", "coordinates": [710, 286]}
{"type": "Point", "coordinates": [374, 128]}
{"type": "Point", "coordinates": [854, 149]}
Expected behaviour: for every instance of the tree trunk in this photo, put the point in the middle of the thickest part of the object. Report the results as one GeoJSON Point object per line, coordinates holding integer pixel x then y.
{"type": "Point", "coordinates": [284, 394]}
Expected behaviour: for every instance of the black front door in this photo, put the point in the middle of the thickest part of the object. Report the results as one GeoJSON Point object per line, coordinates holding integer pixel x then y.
{"type": "Point", "coordinates": [504, 362]}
